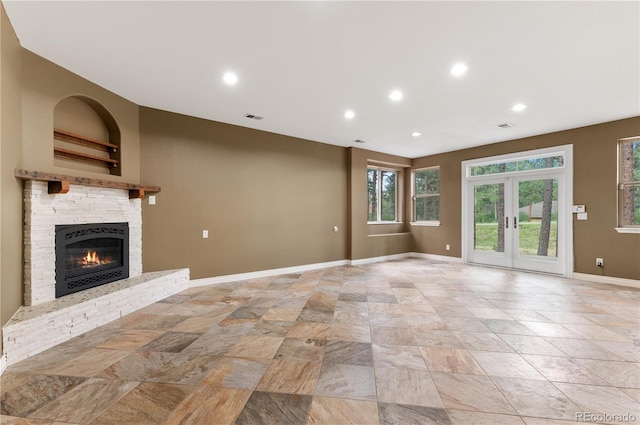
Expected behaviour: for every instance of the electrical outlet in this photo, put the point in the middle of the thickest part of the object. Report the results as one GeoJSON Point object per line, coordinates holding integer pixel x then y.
{"type": "Point", "coordinates": [599, 262]}
{"type": "Point", "coordinates": [447, 247]}
{"type": "Point", "coordinates": [205, 234]}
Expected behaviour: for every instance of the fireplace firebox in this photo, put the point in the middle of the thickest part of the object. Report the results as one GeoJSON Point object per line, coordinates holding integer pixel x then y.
{"type": "Point", "coordinates": [90, 255]}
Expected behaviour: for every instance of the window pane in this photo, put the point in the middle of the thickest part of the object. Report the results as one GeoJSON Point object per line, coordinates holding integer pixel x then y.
{"type": "Point", "coordinates": [388, 196]}
{"type": "Point", "coordinates": [481, 170]}
{"type": "Point", "coordinates": [630, 162]}
{"type": "Point", "coordinates": [428, 208]}
{"type": "Point", "coordinates": [372, 188]}
{"type": "Point", "coordinates": [488, 217]}
{"type": "Point", "coordinates": [539, 163]}
{"type": "Point", "coordinates": [427, 182]}
{"type": "Point", "coordinates": [631, 206]}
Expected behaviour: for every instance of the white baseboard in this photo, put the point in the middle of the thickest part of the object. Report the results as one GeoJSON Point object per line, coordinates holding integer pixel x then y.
{"type": "Point", "coordinates": [436, 257]}
{"type": "Point", "coordinates": [372, 260]}
{"type": "Point", "coordinates": [265, 273]}
{"type": "Point", "coordinates": [632, 283]}
{"type": "Point", "coordinates": [316, 266]}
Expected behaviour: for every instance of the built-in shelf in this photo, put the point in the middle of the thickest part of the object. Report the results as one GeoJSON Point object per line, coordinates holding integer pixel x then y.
{"type": "Point", "coordinates": [110, 161]}
{"type": "Point", "coordinates": [59, 183]}
{"type": "Point", "coordinates": [84, 141]}
{"type": "Point", "coordinates": [81, 156]}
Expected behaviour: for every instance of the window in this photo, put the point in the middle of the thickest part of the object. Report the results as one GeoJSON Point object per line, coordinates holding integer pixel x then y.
{"type": "Point", "coordinates": [382, 194]}
{"type": "Point", "coordinates": [536, 163]}
{"type": "Point", "coordinates": [426, 195]}
{"type": "Point", "coordinates": [629, 183]}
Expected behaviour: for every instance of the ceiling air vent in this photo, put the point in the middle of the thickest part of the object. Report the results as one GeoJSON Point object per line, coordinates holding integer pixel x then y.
{"type": "Point", "coordinates": [359, 141]}
{"type": "Point", "coordinates": [253, 117]}
{"type": "Point", "coordinates": [505, 125]}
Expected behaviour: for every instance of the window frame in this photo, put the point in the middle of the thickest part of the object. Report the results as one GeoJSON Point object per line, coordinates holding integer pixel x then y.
{"type": "Point", "coordinates": [622, 227]}
{"type": "Point", "coordinates": [414, 198]}
{"type": "Point", "coordinates": [379, 170]}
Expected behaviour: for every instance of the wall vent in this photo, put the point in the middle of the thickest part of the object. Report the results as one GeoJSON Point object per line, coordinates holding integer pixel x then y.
{"type": "Point", "coordinates": [505, 125]}
{"type": "Point", "coordinates": [253, 117]}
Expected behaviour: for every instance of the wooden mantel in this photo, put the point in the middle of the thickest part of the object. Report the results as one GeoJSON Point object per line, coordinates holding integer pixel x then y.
{"type": "Point", "coordinates": [59, 183]}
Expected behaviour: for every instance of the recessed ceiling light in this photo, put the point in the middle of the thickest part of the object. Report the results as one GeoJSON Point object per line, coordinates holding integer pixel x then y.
{"type": "Point", "coordinates": [519, 107]}
{"type": "Point", "coordinates": [230, 78]}
{"type": "Point", "coordinates": [349, 114]}
{"type": "Point", "coordinates": [395, 95]}
{"type": "Point", "coordinates": [459, 69]}
{"type": "Point", "coordinates": [416, 134]}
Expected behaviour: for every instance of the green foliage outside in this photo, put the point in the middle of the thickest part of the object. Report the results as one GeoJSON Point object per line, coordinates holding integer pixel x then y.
{"type": "Point", "coordinates": [524, 165]}
{"type": "Point", "coordinates": [486, 237]}
{"type": "Point", "coordinates": [427, 193]}
{"type": "Point", "coordinates": [636, 205]}
{"type": "Point", "coordinates": [630, 156]}
{"type": "Point", "coordinates": [488, 201]}
{"type": "Point", "coordinates": [388, 201]}
{"type": "Point", "coordinates": [381, 184]}
{"type": "Point", "coordinates": [372, 190]}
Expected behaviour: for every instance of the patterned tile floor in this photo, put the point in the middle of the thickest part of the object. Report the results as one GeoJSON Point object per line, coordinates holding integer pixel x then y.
{"type": "Point", "coordinates": [403, 342]}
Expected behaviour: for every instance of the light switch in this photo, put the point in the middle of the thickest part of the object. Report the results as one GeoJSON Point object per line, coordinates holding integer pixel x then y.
{"type": "Point", "coordinates": [205, 234]}
{"type": "Point", "coordinates": [578, 209]}
{"type": "Point", "coordinates": [582, 216]}
{"type": "Point", "coordinates": [152, 200]}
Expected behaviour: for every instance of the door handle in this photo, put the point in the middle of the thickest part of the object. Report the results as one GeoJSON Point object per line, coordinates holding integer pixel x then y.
{"type": "Point", "coordinates": [507, 223]}
{"type": "Point", "coordinates": [515, 222]}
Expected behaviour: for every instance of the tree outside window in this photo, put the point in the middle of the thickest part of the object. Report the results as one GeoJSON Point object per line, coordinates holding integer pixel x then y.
{"type": "Point", "coordinates": [382, 195]}
{"type": "Point", "coordinates": [426, 187]}
{"type": "Point", "coordinates": [629, 182]}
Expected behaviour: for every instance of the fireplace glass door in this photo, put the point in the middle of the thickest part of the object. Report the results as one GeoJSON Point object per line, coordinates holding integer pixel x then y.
{"type": "Point", "coordinates": [89, 255]}
{"type": "Point", "coordinates": [92, 255]}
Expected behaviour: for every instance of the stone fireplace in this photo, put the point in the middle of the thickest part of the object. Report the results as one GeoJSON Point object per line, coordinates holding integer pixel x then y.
{"type": "Point", "coordinates": [97, 225]}
{"type": "Point", "coordinates": [49, 217]}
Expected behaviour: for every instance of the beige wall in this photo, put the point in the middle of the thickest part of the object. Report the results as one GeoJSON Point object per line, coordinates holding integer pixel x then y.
{"type": "Point", "coordinates": [10, 158]}
{"type": "Point", "coordinates": [594, 185]}
{"type": "Point", "coordinates": [30, 89]}
{"type": "Point", "coordinates": [44, 85]}
{"type": "Point", "coordinates": [267, 200]}
{"type": "Point", "coordinates": [375, 240]}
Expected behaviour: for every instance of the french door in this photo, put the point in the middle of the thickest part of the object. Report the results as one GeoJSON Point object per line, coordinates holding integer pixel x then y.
{"type": "Point", "coordinates": [515, 222]}
{"type": "Point", "coordinates": [517, 219]}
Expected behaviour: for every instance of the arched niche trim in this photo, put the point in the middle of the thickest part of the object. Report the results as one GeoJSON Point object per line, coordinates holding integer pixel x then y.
{"type": "Point", "coordinates": [86, 136]}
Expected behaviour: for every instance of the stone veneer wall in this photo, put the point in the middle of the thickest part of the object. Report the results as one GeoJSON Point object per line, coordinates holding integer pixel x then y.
{"type": "Point", "coordinates": [34, 329]}
{"type": "Point", "coordinates": [81, 205]}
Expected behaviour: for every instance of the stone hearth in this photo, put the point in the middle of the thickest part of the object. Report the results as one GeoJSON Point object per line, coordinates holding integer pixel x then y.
{"type": "Point", "coordinates": [45, 320]}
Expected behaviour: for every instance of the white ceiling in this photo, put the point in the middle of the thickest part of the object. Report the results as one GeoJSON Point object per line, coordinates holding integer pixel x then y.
{"type": "Point", "coordinates": [302, 64]}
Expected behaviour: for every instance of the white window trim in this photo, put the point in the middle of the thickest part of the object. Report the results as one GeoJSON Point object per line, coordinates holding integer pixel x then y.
{"type": "Point", "coordinates": [566, 150]}
{"type": "Point", "coordinates": [629, 228]}
{"type": "Point", "coordinates": [425, 223]}
{"type": "Point", "coordinates": [379, 197]}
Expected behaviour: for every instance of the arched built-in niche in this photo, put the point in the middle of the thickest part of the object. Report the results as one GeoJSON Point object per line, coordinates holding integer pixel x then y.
{"type": "Point", "coordinates": [86, 136]}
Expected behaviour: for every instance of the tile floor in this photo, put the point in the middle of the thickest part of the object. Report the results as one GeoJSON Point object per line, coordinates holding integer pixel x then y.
{"type": "Point", "coordinates": [403, 342]}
